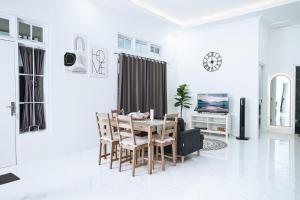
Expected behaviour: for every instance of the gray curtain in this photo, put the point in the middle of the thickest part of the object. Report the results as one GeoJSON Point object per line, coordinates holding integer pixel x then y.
{"type": "Point", "coordinates": [142, 85]}
{"type": "Point", "coordinates": [26, 110]}
{"type": "Point", "coordinates": [39, 55]}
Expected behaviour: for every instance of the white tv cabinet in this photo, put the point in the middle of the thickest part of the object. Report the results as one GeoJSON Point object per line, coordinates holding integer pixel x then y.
{"type": "Point", "coordinates": [212, 123]}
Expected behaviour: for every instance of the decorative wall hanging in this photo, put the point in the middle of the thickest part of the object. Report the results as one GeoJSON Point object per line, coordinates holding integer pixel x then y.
{"type": "Point", "coordinates": [99, 62]}
{"type": "Point", "coordinates": [212, 61]}
{"type": "Point", "coordinates": [80, 49]}
{"type": "Point", "coordinates": [70, 59]}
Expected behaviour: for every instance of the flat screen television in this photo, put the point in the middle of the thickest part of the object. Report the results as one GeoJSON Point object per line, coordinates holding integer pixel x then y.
{"type": "Point", "coordinates": [213, 103]}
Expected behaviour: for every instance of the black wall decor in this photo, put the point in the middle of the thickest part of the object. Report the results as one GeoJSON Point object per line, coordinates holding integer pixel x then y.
{"type": "Point", "coordinates": [212, 61]}
{"type": "Point", "coordinates": [70, 59]}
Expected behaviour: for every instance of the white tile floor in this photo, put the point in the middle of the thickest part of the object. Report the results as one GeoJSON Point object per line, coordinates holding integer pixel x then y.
{"type": "Point", "coordinates": [256, 169]}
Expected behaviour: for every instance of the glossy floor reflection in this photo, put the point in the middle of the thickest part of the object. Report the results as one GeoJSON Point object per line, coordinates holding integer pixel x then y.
{"type": "Point", "coordinates": [257, 169]}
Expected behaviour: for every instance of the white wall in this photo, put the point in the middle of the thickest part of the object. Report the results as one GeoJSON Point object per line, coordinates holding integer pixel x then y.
{"type": "Point", "coordinates": [283, 56]}
{"type": "Point", "coordinates": [74, 99]}
{"type": "Point", "coordinates": [238, 76]}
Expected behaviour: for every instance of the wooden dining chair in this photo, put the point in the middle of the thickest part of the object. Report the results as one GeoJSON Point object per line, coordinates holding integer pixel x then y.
{"type": "Point", "coordinates": [168, 136]}
{"type": "Point", "coordinates": [107, 137]}
{"type": "Point", "coordinates": [129, 141]}
{"type": "Point", "coordinates": [116, 112]}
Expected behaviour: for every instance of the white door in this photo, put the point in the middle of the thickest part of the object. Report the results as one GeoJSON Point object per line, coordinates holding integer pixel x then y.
{"type": "Point", "coordinates": [7, 107]}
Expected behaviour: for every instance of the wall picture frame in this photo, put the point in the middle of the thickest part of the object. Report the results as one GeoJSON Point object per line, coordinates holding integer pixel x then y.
{"type": "Point", "coordinates": [98, 62]}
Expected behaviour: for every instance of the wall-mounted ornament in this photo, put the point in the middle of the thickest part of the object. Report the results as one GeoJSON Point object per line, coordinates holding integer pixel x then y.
{"type": "Point", "coordinates": [80, 49]}
{"type": "Point", "coordinates": [70, 59]}
{"type": "Point", "coordinates": [212, 61]}
{"type": "Point", "coordinates": [99, 62]}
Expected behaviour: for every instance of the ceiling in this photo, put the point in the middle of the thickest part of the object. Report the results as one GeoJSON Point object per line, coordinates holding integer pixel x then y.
{"type": "Point", "coordinates": [188, 13]}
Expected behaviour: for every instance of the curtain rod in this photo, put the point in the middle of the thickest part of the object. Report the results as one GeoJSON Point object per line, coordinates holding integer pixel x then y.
{"type": "Point", "coordinates": [116, 53]}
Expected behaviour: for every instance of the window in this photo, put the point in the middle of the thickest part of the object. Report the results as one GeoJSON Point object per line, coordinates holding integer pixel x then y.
{"type": "Point", "coordinates": [4, 26]}
{"type": "Point", "coordinates": [31, 32]}
{"type": "Point", "coordinates": [140, 46]}
{"type": "Point", "coordinates": [155, 49]}
{"type": "Point", "coordinates": [124, 42]}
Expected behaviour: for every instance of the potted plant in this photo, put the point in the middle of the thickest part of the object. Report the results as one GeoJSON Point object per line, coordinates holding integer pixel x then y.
{"type": "Point", "coordinates": [182, 98]}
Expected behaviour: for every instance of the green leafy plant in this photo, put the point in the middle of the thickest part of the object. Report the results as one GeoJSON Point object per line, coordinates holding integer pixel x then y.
{"type": "Point", "coordinates": [182, 98]}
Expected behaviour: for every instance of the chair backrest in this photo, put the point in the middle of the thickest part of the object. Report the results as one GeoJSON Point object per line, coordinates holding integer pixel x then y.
{"type": "Point", "coordinates": [116, 112]}
{"type": "Point", "coordinates": [104, 125]}
{"type": "Point", "coordinates": [170, 125]}
{"type": "Point", "coordinates": [125, 128]}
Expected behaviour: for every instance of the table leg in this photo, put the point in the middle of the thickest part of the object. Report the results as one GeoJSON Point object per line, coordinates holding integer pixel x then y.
{"type": "Point", "coordinates": [149, 151]}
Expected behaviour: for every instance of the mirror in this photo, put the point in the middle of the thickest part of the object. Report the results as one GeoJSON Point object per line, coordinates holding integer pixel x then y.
{"type": "Point", "coordinates": [280, 101]}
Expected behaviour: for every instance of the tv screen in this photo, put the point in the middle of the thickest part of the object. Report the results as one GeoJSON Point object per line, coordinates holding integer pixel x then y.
{"type": "Point", "coordinates": [213, 103]}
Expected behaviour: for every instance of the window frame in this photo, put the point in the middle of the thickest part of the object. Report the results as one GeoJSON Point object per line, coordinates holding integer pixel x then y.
{"type": "Point", "coordinates": [46, 75]}
{"type": "Point", "coordinates": [32, 23]}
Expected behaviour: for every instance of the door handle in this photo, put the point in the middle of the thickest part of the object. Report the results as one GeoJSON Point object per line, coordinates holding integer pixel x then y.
{"type": "Point", "coordinates": [12, 108]}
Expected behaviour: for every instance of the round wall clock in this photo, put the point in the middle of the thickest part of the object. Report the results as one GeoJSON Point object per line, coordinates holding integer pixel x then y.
{"type": "Point", "coordinates": [212, 61]}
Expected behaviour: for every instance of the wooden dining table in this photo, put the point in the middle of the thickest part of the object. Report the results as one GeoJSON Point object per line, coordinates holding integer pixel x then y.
{"type": "Point", "coordinates": [148, 126]}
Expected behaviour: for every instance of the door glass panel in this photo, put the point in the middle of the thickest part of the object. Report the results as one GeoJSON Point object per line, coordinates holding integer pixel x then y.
{"type": "Point", "coordinates": [25, 88]}
{"type": "Point", "coordinates": [4, 26]}
{"type": "Point", "coordinates": [25, 54]}
{"type": "Point", "coordinates": [37, 33]}
{"type": "Point", "coordinates": [39, 110]}
{"type": "Point", "coordinates": [39, 89]}
{"type": "Point", "coordinates": [26, 117]}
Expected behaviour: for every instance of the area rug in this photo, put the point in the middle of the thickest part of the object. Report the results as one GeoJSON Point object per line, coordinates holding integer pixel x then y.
{"type": "Point", "coordinates": [213, 144]}
{"type": "Point", "coordinates": [7, 178]}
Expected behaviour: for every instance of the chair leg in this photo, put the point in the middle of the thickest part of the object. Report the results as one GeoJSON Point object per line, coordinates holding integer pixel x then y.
{"type": "Point", "coordinates": [105, 150]}
{"type": "Point", "coordinates": [130, 155]}
{"type": "Point", "coordinates": [182, 159]}
{"type": "Point", "coordinates": [120, 158]}
{"type": "Point", "coordinates": [137, 156]}
{"type": "Point", "coordinates": [174, 153]}
{"type": "Point", "coordinates": [143, 156]}
{"type": "Point", "coordinates": [162, 153]}
{"type": "Point", "coordinates": [133, 162]}
{"type": "Point", "coordinates": [152, 157]}
{"type": "Point", "coordinates": [198, 153]}
{"type": "Point", "coordinates": [111, 155]}
{"type": "Point", "coordinates": [116, 151]}
{"type": "Point", "coordinates": [156, 156]}
{"type": "Point", "coordinates": [100, 152]}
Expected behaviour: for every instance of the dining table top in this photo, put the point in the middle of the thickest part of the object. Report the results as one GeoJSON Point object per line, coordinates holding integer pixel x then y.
{"type": "Point", "coordinates": [144, 125]}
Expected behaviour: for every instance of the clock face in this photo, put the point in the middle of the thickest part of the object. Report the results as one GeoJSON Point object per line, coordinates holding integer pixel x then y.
{"type": "Point", "coordinates": [212, 61]}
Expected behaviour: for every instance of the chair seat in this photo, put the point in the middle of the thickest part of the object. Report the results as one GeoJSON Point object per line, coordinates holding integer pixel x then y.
{"type": "Point", "coordinates": [107, 137]}
{"type": "Point", "coordinates": [157, 139]}
{"type": "Point", "coordinates": [139, 141]}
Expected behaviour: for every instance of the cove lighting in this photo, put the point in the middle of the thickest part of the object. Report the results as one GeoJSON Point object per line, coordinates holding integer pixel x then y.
{"type": "Point", "coordinates": [214, 17]}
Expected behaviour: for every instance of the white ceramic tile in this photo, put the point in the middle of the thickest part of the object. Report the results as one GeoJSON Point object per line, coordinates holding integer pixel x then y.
{"type": "Point", "coordinates": [255, 169]}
